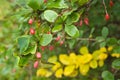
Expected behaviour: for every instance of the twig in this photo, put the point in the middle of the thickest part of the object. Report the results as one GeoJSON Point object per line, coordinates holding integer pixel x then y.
{"type": "Point", "coordinates": [105, 7]}
{"type": "Point", "coordinates": [82, 39]}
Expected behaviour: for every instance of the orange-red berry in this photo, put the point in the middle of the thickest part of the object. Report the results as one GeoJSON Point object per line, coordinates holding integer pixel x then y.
{"type": "Point", "coordinates": [32, 31]}
{"type": "Point", "coordinates": [51, 48]}
{"type": "Point", "coordinates": [30, 21]}
{"type": "Point", "coordinates": [86, 21]}
{"type": "Point", "coordinates": [38, 55]}
{"type": "Point", "coordinates": [107, 17]}
{"type": "Point", "coordinates": [58, 38]}
{"type": "Point", "coordinates": [61, 42]}
{"type": "Point", "coordinates": [36, 63]}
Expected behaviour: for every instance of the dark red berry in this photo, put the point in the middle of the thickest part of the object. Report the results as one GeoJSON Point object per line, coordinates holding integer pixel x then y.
{"type": "Point", "coordinates": [58, 38]}
{"type": "Point", "coordinates": [45, 1]}
{"type": "Point", "coordinates": [32, 31]}
{"type": "Point", "coordinates": [86, 21]}
{"type": "Point", "coordinates": [111, 3]}
{"type": "Point", "coordinates": [36, 63]}
{"type": "Point", "coordinates": [38, 55]}
{"type": "Point", "coordinates": [81, 22]}
{"type": "Point", "coordinates": [43, 48]}
{"type": "Point", "coordinates": [107, 17]}
{"type": "Point", "coordinates": [48, 32]}
{"type": "Point", "coordinates": [51, 48]}
{"type": "Point", "coordinates": [30, 21]}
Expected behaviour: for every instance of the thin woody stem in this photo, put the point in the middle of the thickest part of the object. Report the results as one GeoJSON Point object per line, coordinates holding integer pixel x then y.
{"type": "Point", "coordinates": [82, 39]}
{"type": "Point", "coordinates": [105, 6]}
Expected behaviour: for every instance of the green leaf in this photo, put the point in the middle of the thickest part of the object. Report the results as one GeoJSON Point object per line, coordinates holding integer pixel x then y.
{"type": "Point", "coordinates": [105, 32]}
{"type": "Point", "coordinates": [82, 2]}
{"type": "Point", "coordinates": [111, 41]}
{"type": "Point", "coordinates": [100, 39]}
{"type": "Point", "coordinates": [116, 49]}
{"type": "Point", "coordinates": [116, 64]}
{"type": "Point", "coordinates": [50, 15]}
{"type": "Point", "coordinates": [106, 75]}
{"type": "Point", "coordinates": [103, 44]}
{"type": "Point", "coordinates": [46, 39]}
{"type": "Point", "coordinates": [24, 60]}
{"type": "Point", "coordinates": [74, 17]}
{"type": "Point", "coordinates": [71, 43]}
{"type": "Point", "coordinates": [57, 4]}
{"type": "Point", "coordinates": [34, 4]}
{"type": "Point", "coordinates": [44, 28]}
{"type": "Point", "coordinates": [57, 28]}
{"type": "Point", "coordinates": [71, 30]}
{"type": "Point", "coordinates": [31, 49]}
{"type": "Point", "coordinates": [23, 43]}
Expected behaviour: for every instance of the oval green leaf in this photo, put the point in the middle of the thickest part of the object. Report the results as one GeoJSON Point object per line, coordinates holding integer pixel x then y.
{"type": "Point", "coordinates": [50, 15]}
{"type": "Point", "coordinates": [106, 75]}
{"type": "Point", "coordinates": [46, 39]}
{"type": "Point", "coordinates": [116, 64]}
{"type": "Point", "coordinates": [57, 28]}
{"type": "Point", "coordinates": [71, 30]}
{"type": "Point", "coordinates": [23, 43]}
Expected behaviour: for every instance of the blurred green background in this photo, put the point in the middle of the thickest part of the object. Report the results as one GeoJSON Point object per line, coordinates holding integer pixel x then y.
{"type": "Point", "coordinates": [9, 31]}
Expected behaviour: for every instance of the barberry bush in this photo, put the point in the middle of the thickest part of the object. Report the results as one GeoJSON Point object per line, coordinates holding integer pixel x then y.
{"type": "Point", "coordinates": [66, 39]}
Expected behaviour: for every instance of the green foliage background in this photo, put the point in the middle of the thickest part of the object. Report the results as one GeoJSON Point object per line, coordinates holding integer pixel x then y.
{"type": "Point", "coordinates": [13, 12]}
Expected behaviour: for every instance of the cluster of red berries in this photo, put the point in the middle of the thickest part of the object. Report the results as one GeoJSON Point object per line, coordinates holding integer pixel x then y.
{"type": "Point", "coordinates": [32, 30]}
{"type": "Point", "coordinates": [86, 21]}
{"type": "Point", "coordinates": [58, 39]}
{"type": "Point", "coordinates": [38, 56]}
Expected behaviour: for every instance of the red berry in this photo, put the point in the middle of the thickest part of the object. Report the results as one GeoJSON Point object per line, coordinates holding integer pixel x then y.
{"type": "Point", "coordinates": [45, 1]}
{"type": "Point", "coordinates": [30, 21]}
{"type": "Point", "coordinates": [38, 55]}
{"type": "Point", "coordinates": [61, 42]}
{"type": "Point", "coordinates": [107, 17]}
{"type": "Point", "coordinates": [36, 63]}
{"type": "Point", "coordinates": [32, 31]}
{"type": "Point", "coordinates": [58, 38]}
{"type": "Point", "coordinates": [43, 48]}
{"type": "Point", "coordinates": [86, 21]}
{"type": "Point", "coordinates": [49, 32]}
{"type": "Point", "coordinates": [76, 24]}
{"type": "Point", "coordinates": [51, 48]}
{"type": "Point", "coordinates": [81, 22]}
{"type": "Point", "coordinates": [111, 3]}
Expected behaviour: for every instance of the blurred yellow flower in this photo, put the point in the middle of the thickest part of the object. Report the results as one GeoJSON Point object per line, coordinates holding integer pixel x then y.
{"type": "Point", "coordinates": [56, 66]}
{"type": "Point", "coordinates": [103, 49]}
{"type": "Point", "coordinates": [86, 58]}
{"type": "Point", "coordinates": [64, 59]}
{"type": "Point", "coordinates": [84, 50]}
{"type": "Point", "coordinates": [84, 69]}
{"type": "Point", "coordinates": [68, 70]}
{"type": "Point", "coordinates": [96, 54]}
{"type": "Point", "coordinates": [73, 58]}
{"type": "Point", "coordinates": [74, 73]}
{"type": "Point", "coordinates": [100, 63]}
{"type": "Point", "coordinates": [93, 64]}
{"type": "Point", "coordinates": [52, 59]}
{"type": "Point", "coordinates": [103, 56]}
{"type": "Point", "coordinates": [110, 48]}
{"type": "Point", "coordinates": [43, 72]}
{"type": "Point", "coordinates": [117, 55]}
{"type": "Point", "coordinates": [59, 73]}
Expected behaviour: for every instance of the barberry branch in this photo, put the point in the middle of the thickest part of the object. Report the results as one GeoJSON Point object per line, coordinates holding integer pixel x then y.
{"type": "Point", "coordinates": [105, 6]}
